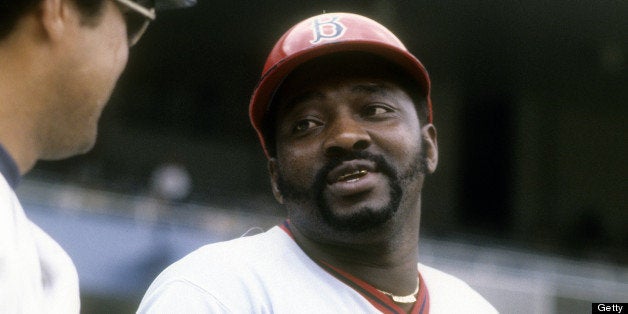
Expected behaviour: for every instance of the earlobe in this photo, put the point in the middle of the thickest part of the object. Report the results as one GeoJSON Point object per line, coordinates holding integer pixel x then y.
{"type": "Point", "coordinates": [430, 146]}
{"type": "Point", "coordinates": [274, 179]}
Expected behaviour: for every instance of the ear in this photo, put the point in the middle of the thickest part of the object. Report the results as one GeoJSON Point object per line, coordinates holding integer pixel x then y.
{"type": "Point", "coordinates": [428, 132]}
{"type": "Point", "coordinates": [54, 16]}
{"type": "Point", "coordinates": [274, 179]}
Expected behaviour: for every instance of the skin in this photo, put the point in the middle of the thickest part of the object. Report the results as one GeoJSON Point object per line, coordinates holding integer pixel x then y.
{"type": "Point", "coordinates": [327, 111]}
{"type": "Point", "coordinates": [57, 74]}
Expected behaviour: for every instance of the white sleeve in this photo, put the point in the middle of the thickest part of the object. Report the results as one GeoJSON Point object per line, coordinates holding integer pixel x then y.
{"type": "Point", "coordinates": [180, 296]}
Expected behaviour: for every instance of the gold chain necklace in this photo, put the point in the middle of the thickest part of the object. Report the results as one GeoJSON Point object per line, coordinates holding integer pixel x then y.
{"type": "Point", "coordinates": [410, 298]}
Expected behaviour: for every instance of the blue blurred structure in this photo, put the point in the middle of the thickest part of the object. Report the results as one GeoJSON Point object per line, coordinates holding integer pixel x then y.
{"type": "Point", "coordinates": [119, 243]}
{"type": "Point", "coordinates": [117, 256]}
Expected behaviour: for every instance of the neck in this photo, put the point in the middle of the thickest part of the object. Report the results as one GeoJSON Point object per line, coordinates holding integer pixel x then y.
{"type": "Point", "coordinates": [389, 265]}
{"type": "Point", "coordinates": [386, 257]}
{"type": "Point", "coordinates": [17, 129]}
{"type": "Point", "coordinates": [23, 77]}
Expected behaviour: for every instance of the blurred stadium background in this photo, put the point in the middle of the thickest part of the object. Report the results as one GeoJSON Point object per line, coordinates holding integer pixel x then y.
{"type": "Point", "coordinates": [528, 204]}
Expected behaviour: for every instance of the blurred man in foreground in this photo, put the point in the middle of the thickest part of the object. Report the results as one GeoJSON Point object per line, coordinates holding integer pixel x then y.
{"type": "Point", "coordinates": [59, 62]}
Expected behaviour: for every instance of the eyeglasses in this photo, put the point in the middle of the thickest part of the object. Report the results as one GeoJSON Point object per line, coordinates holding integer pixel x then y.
{"type": "Point", "coordinates": [137, 18]}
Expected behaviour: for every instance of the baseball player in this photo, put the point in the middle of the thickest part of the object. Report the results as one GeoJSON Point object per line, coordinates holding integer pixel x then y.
{"type": "Point", "coordinates": [343, 113]}
{"type": "Point", "coordinates": [59, 61]}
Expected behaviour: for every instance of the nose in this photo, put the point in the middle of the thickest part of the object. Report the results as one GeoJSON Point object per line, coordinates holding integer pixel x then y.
{"type": "Point", "coordinates": [346, 135]}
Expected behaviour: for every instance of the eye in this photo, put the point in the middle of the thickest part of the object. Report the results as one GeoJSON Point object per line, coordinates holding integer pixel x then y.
{"type": "Point", "coordinates": [376, 109]}
{"type": "Point", "coordinates": [304, 125]}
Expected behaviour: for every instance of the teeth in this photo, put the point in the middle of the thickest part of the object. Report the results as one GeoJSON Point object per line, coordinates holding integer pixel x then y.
{"type": "Point", "coordinates": [352, 176]}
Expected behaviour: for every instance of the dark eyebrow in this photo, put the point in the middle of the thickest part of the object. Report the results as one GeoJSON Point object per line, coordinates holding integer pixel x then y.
{"type": "Point", "coordinates": [302, 98]}
{"type": "Point", "coordinates": [370, 88]}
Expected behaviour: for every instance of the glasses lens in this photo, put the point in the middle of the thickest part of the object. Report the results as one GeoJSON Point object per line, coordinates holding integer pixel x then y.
{"type": "Point", "coordinates": [137, 16]}
{"type": "Point", "coordinates": [136, 25]}
{"type": "Point", "coordinates": [146, 3]}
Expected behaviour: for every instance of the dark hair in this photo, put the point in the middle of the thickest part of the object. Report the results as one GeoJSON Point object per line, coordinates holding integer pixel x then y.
{"type": "Point", "coordinates": [357, 59]}
{"type": "Point", "coordinates": [12, 10]}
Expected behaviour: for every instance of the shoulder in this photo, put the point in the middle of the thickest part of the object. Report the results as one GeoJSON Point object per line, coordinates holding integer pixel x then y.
{"type": "Point", "coordinates": [58, 273]}
{"type": "Point", "coordinates": [217, 257]}
{"type": "Point", "coordinates": [34, 266]}
{"type": "Point", "coordinates": [450, 294]}
{"type": "Point", "coordinates": [180, 296]}
{"type": "Point", "coordinates": [222, 274]}
{"type": "Point", "coordinates": [7, 195]}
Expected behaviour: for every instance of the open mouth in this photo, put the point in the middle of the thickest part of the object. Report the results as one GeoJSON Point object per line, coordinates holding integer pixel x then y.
{"type": "Point", "coordinates": [351, 171]}
{"type": "Point", "coordinates": [352, 176]}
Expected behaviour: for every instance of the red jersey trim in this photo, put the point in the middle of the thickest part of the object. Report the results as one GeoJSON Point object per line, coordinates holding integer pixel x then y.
{"type": "Point", "coordinates": [379, 300]}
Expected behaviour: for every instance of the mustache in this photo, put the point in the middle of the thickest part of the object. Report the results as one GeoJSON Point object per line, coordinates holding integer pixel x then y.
{"type": "Point", "coordinates": [319, 183]}
{"type": "Point", "coordinates": [381, 164]}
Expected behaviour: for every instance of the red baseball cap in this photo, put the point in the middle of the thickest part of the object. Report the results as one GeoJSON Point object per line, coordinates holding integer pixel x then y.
{"type": "Point", "coordinates": [322, 35]}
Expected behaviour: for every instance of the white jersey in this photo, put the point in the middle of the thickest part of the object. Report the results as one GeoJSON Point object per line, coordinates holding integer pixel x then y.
{"type": "Point", "coordinates": [269, 273]}
{"type": "Point", "coordinates": [36, 274]}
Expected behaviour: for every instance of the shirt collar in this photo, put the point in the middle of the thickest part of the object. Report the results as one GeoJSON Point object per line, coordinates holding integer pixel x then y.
{"type": "Point", "coordinates": [379, 300]}
{"type": "Point", "coordinates": [8, 168]}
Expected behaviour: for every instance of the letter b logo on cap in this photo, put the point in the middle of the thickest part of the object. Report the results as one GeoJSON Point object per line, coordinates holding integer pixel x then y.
{"type": "Point", "coordinates": [331, 29]}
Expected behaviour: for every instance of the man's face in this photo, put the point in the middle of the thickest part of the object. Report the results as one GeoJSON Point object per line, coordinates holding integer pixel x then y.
{"type": "Point", "coordinates": [89, 59]}
{"type": "Point", "coordinates": [349, 145]}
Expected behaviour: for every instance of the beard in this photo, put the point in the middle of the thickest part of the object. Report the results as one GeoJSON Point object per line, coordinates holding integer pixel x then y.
{"type": "Point", "coordinates": [366, 218]}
